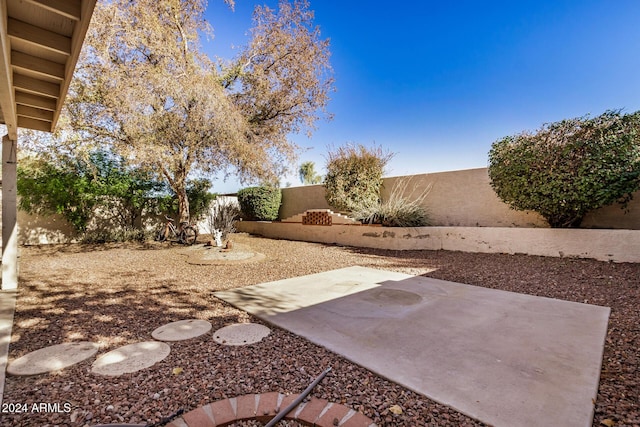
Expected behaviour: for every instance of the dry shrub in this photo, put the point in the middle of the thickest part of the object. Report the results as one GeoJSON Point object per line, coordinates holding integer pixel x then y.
{"type": "Point", "coordinates": [222, 216]}
{"type": "Point", "coordinates": [397, 210]}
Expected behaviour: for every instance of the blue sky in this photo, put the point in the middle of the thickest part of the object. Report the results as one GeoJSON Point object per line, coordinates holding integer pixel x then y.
{"type": "Point", "coordinates": [438, 82]}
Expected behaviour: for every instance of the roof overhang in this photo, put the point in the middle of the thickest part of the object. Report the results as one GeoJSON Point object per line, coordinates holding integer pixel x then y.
{"type": "Point", "coordinates": [40, 41]}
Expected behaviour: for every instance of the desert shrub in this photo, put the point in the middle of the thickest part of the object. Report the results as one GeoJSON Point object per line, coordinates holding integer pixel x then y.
{"type": "Point", "coordinates": [79, 187]}
{"type": "Point", "coordinates": [569, 168]}
{"type": "Point", "coordinates": [260, 203]}
{"type": "Point", "coordinates": [222, 216]}
{"type": "Point", "coordinates": [102, 197]}
{"type": "Point", "coordinates": [397, 210]}
{"type": "Point", "coordinates": [354, 176]}
{"type": "Point", "coordinates": [126, 192]}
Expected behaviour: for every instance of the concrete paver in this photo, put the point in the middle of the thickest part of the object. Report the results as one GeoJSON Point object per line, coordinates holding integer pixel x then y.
{"type": "Point", "coordinates": [130, 358]}
{"type": "Point", "coordinates": [181, 330]}
{"type": "Point", "coordinates": [241, 334]}
{"type": "Point", "coordinates": [52, 358]}
{"type": "Point", "coordinates": [506, 359]}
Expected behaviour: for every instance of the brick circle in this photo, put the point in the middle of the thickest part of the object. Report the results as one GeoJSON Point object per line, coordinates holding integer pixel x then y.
{"type": "Point", "coordinates": [263, 407]}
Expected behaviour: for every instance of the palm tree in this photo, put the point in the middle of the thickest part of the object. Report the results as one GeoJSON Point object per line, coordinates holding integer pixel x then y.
{"type": "Point", "coordinates": [308, 174]}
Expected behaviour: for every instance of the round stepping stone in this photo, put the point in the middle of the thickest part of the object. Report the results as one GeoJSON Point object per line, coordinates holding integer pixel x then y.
{"type": "Point", "coordinates": [52, 358]}
{"type": "Point", "coordinates": [130, 358]}
{"type": "Point", "coordinates": [241, 334]}
{"type": "Point", "coordinates": [181, 330]}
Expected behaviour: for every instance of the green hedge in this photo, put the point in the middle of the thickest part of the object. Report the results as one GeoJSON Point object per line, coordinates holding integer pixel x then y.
{"type": "Point", "coordinates": [260, 203]}
{"type": "Point", "coordinates": [569, 168]}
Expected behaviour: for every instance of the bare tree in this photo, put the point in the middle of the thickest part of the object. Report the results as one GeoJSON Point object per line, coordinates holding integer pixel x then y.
{"type": "Point", "coordinates": [282, 80]}
{"type": "Point", "coordinates": [144, 88]}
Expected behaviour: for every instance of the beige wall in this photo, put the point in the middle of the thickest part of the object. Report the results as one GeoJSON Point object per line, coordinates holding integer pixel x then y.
{"type": "Point", "coordinates": [49, 229]}
{"type": "Point", "coordinates": [604, 245]}
{"type": "Point", "coordinates": [35, 229]}
{"type": "Point", "coordinates": [297, 200]}
{"type": "Point", "coordinates": [463, 198]}
{"type": "Point", "coordinates": [458, 198]}
{"type": "Point", "coordinates": [40, 230]}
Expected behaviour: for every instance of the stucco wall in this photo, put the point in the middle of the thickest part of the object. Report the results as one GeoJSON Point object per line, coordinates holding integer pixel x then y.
{"type": "Point", "coordinates": [457, 198]}
{"type": "Point", "coordinates": [463, 198]}
{"type": "Point", "coordinates": [297, 200]}
{"type": "Point", "coordinates": [604, 245]}
{"type": "Point", "coordinates": [39, 230]}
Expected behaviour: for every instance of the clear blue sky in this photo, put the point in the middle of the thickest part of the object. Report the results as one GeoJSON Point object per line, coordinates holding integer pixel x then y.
{"type": "Point", "coordinates": [437, 82]}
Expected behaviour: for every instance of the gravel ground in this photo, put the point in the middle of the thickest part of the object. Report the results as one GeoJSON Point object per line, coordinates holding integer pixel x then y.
{"type": "Point", "coordinates": [118, 294]}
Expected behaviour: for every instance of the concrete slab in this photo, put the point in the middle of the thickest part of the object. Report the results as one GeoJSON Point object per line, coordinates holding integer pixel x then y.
{"type": "Point", "coordinates": [241, 334]}
{"type": "Point", "coordinates": [503, 358]}
{"type": "Point", "coordinates": [181, 330]}
{"type": "Point", "coordinates": [7, 309]}
{"type": "Point", "coordinates": [52, 358]}
{"type": "Point", "coordinates": [130, 358]}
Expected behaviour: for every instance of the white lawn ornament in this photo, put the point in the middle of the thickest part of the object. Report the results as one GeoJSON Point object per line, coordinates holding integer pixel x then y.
{"type": "Point", "coordinates": [217, 236]}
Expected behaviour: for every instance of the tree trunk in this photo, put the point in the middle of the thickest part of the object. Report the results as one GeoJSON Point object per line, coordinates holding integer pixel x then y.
{"type": "Point", "coordinates": [183, 203]}
{"type": "Point", "coordinates": [178, 183]}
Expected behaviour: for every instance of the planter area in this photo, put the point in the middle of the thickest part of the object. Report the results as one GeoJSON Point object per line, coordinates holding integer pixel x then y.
{"type": "Point", "coordinates": [603, 245]}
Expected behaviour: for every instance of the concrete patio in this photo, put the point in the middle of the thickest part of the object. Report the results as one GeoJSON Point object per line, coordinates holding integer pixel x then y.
{"type": "Point", "coordinates": [504, 358]}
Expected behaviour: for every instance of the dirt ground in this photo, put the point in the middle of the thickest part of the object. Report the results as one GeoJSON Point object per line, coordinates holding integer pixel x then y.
{"type": "Point", "coordinates": [117, 294]}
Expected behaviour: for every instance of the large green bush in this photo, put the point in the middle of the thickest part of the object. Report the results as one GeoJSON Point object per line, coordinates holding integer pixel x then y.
{"type": "Point", "coordinates": [260, 203]}
{"type": "Point", "coordinates": [75, 187]}
{"type": "Point", "coordinates": [569, 168]}
{"type": "Point", "coordinates": [354, 176]}
{"type": "Point", "coordinates": [66, 188]}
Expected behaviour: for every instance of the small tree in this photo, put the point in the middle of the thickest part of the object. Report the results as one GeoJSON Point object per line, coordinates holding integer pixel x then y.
{"type": "Point", "coordinates": [144, 88]}
{"type": "Point", "coordinates": [569, 168]}
{"type": "Point", "coordinates": [354, 176]}
{"type": "Point", "coordinates": [308, 174]}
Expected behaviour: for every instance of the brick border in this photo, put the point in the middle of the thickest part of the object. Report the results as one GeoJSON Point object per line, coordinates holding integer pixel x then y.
{"type": "Point", "coordinates": [263, 407]}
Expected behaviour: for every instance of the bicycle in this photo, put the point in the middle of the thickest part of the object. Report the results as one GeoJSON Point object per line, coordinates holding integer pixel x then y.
{"type": "Point", "coordinates": [187, 234]}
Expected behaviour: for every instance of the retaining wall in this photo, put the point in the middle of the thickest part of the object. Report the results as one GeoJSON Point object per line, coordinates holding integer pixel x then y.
{"type": "Point", "coordinates": [604, 245]}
